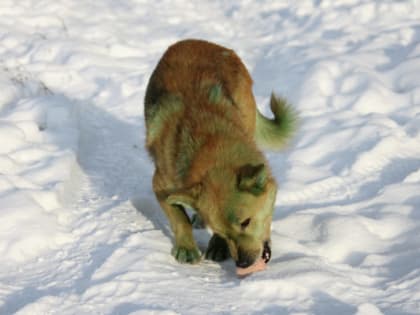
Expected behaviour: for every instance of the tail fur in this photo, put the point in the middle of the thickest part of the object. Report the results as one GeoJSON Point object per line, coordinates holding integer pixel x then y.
{"type": "Point", "coordinates": [273, 134]}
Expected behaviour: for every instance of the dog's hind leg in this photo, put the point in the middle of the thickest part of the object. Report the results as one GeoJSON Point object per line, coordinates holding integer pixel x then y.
{"type": "Point", "coordinates": [197, 222]}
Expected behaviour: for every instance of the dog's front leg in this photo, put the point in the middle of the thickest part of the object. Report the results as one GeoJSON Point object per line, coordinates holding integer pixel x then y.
{"type": "Point", "coordinates": [185, 249]}
{"type": "Point", "coordinates": [218, 249]}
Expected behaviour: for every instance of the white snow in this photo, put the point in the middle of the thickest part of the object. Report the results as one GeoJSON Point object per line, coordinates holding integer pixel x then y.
{"type": "Point", "coordinates": [81, 232]}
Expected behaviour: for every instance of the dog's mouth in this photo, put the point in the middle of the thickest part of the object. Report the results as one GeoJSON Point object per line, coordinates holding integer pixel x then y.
{"type": "Point", "coordinates": [266, 254]}
{"type": "Point", "coordinates": [259, 264]}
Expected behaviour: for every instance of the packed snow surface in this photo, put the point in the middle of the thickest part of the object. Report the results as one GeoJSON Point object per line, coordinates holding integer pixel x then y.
{"type": "Point", "coordinates": [81, 232]}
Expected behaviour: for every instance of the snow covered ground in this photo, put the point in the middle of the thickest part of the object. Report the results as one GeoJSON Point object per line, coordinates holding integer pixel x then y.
{"type": "Point", "coordinates": [81, 232]}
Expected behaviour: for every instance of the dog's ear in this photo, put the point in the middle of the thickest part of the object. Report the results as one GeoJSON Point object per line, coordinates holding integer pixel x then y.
{"type": "Point", "coordinates": [185, 197]}
{"type": "Point", "coordinates": [253, 178]}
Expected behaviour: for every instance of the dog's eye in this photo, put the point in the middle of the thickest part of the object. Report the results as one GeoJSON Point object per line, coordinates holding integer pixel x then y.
{"type": "Point", "coordinates": [245, 223]}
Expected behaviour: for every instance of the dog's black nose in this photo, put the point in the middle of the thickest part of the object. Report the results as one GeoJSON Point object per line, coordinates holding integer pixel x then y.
{"type": "Point", "coordinates": [244, 260]}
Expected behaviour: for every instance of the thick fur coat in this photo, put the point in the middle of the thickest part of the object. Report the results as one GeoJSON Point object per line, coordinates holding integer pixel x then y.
{"type": "Point", "coordinates": [203, 133]}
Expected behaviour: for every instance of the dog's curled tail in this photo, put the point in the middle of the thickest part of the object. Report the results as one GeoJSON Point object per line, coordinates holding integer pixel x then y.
{"type": "Point", "coordinates": [273, 134]}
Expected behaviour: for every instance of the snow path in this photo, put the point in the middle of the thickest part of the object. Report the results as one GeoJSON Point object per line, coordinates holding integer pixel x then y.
{"type": "Point", "coordinates": [81, 231]}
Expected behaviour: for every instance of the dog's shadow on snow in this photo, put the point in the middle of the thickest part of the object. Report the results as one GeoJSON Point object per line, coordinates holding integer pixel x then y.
{"type": "Point", "coordinates": [112, 155]}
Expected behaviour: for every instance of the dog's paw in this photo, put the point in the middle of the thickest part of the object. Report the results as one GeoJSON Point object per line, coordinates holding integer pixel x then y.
{"type": "Point", "coordinates": [217, 249]}
{"type": "Point", "coordinates": [186, 255]}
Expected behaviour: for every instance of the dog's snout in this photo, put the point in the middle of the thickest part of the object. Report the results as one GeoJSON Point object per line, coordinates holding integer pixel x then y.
{"type": "Point", "coordinates": [244, 260]}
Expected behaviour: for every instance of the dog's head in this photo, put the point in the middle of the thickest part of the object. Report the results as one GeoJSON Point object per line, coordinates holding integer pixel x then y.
{"type": "Point", "coordinates": [238, 206]}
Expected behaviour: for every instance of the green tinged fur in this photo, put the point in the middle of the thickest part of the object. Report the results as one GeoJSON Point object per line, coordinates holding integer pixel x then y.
{"type": "Point", "coordinates": [156, 118]}
{"type": "Point", "coordinates": [274, 133]}
{"type": "Point", "coordinates": [215, 94]}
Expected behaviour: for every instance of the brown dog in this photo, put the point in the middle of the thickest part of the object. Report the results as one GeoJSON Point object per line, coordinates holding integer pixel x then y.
{"type": "Point", "coordinates": [202, 133]}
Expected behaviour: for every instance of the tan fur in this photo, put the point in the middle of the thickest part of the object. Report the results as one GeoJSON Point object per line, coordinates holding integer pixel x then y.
{"type": "Point", "coordinates": [201, 118]}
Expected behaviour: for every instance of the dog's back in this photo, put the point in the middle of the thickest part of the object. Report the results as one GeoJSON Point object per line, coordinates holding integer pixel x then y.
{"type": "Point", "coordinates": [197, 89]}
{"type": "Point", "coordinates": [202, 75]}
{"type": "Point", "coordinates": [200, 90]}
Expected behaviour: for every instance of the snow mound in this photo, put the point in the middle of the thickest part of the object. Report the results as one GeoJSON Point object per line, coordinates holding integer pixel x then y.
{"type": "Point", "coordinates": [39, 136]}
